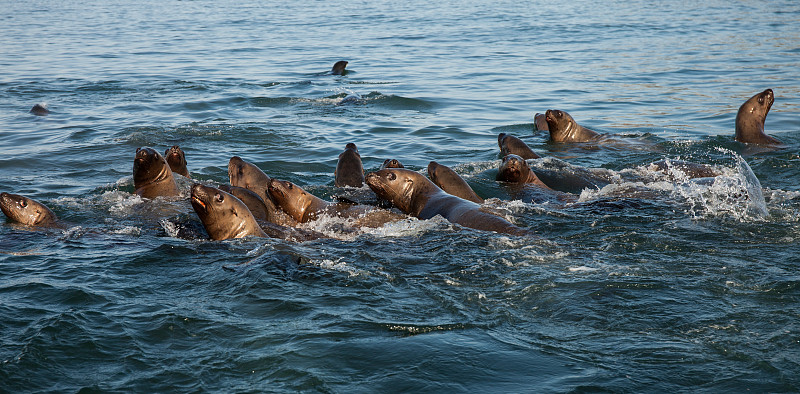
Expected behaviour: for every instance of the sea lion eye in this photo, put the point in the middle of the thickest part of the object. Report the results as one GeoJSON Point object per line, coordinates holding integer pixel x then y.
{"type": "Point", "coordinates": [23, 203]}
{"type": "Point", "coordinates": [391, 176]}
{"type": "Point", "coordinates": [219, 197]}
{"type": "Point", "coordinates": [761, 100]}
{"type": "Point", "coordinates": [289, 186]}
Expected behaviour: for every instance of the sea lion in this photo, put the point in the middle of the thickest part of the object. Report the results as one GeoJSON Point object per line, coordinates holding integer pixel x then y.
{"type": "Point", "coordinates": [513, 145]}
{"type": "Point", "coordinates": [449, 181]}
{"type": "Point", "coordinates": [249, 176]}
{"type": "Point", "coordinates": [177, 160]}
{"type": "Point", "coordinates": [305, 207]}
{"type": "Point", "coordinates": [515, 169]}
{"type": "Point", "coordinates": [349, 170]}
{"type": "Point", "coordinates": [338, 68]}
{"type": "Point", "coordinates": [416, 195]}
{"type": "Point", "coordinates": [540, 122]}
{"type": "Point", "coordinates": [563, 128]}
{"type": "Point", "coordinates": [40, 110]}
{"type": "Point", "coordinates": [750, 120]}
{"type": "Point", "coordinates": [223, 215]}
{"type": "Point", "coordinates": [152, 176]}
{"type": "Point", "coordinates": [26, 211]}
{"type": "Point", "coordinates": [253, 201]}
{"type": "Point", "coordinates": [392, 163]}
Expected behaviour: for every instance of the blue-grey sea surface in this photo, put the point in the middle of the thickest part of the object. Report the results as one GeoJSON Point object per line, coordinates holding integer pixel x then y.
{"type": "Point", "coordinates": [648, 281]}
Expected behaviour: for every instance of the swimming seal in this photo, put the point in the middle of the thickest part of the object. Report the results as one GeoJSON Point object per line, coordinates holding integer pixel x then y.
{"type": "Point", "coordinates": [252, 200]}
{"type": "Point", "coordinates": [512, 145]}
{"type": "Point", "coordinates": [152, 176]}
{"type": "Point", "coordinates": [177, 160]}
{"type": "Point", "coordinates": [223, 215]}
{"type": "Point", "coordinates": [515, 169]}
{"type": "Point", "coordinates": [249, 176]}
{"type": "Point", "coordinates": [392, 163]}
{"type": "Point", "coordinates": [306, 207]}
{"type": "Point", "coordinates": [349, 170]}
{"type": "Point", "coordinates": [563, 128]}
{"type": "Point", "coordinates": [416, 195]}
{"type": "Point", "coordinates": [39, 110]}
{"type": "Point", "coordinates": [750, 120]}
{"type": "Point", "coordinates": [449, 181]}
{"type": "Point", "coordinates": [338, 68]}
{"type": "Point", "coordinates": [540, 122]}
{"type": "Point", "coordinates": [26, 211]}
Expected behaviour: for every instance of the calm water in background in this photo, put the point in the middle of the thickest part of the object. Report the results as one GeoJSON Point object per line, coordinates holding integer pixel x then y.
{"type": "Point", "coordinates": [652, 283]}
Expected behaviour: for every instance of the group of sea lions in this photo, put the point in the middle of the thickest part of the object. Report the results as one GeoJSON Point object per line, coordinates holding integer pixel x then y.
{"type": "Point", "coordinates": [254, 204]}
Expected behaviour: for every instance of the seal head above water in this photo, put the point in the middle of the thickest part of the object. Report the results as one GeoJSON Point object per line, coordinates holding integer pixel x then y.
{"type": "Point", "coordinates": [223, 215]}
{"type": "Point", "coordinates": [177, 160]}
{"type": "Point", "coordinates": [152, 176]}
{"type": "Point", "coordinates": [452, 183]}
{"type": "Point", "coordinates": [416, 195]}
{"type": "Point", "coordinates": [26, 210]}
{"type": "Point", "coordinates": [512, 145]}
{"type": "Point", "coordinates": [249, 176]}
{"type": "Point", "coordinates": [40, 110]}
{"type": "Point", "coordinates": [349, 169]}
{"type": "Point", "coordinates": [515, 169]}
{"type": "Point", "coordinates": [392, 163]}
{"type": "Point", "coordinates": [751, 117]}
{"type": "Point", "coordinates": [338, 68]}
{"type": "Point", "coordinates": [563, 128]}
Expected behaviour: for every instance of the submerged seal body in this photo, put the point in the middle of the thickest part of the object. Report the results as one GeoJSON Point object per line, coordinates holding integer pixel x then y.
{"type": "Point", "coordinates": [177, 160]}
{"type": "Point", "coordinates": [339, 68]}
{"type": "Point", "coordinates": [415, 195]}
{"type": "Point", "coordinates": [563, 128]}
{"type": "Point", "coordinates": [249, 176]}
{"type": "Point", "coordinates": [751, 117]}
{"type": "Point", "coordinates": [349, 169]}
{"type": "Point", "coordinates": [152, 176]}
{"type": "Point", "coordinates": [223, 215]}
{"type": "Point", "coordinates": [450, 182]}
{"type": "Point", "coordinates": [512, 145]}
{"type": "Point", "coordinates": [26, 210]}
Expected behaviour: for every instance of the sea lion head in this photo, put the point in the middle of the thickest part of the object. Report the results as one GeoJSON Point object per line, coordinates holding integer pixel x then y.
{"type": "Point", "coordinates": [247, 175]}
{"type": "Point", "coordinates": [349, 169]}
{"type": "Point", "coordinates": [560, 124]}
{"type": "Point", "coordinates": [514, 169]}
{"type": "Point", "coordinates": [223, 215]}
{"type": "Point", "coordinates": [751, 117]}
{"type": "Point", "coordinates": [292, 199]}
{"type": "Point", "coordinates": [434, 171]}
{"type": "Point", "coordinates": [40, 109]}
{"type": "Point", "coordinates": [338, 67]}
{"type": "Point", "coordinates": [26, 211]}
{"type": "Point", "coordinates": [176, 160]}
{"type": "Point", "coordinates": [149, 167]}
{"type": "Point", "coordinates": [401, 187]}
{"type": "Point", "coordinates": [392, 163]}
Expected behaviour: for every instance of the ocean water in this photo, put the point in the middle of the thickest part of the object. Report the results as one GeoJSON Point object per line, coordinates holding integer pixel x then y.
{"type": "Point", "coordinates": [650, 282]}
